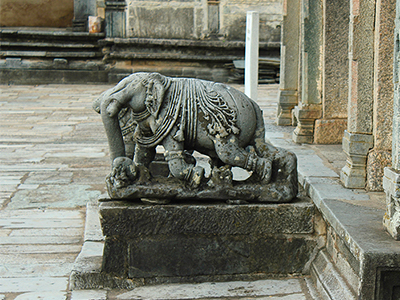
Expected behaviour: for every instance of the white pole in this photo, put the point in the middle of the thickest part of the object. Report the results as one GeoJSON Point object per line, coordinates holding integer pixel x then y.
{"type": "Point", "coordinates": [251, 55]}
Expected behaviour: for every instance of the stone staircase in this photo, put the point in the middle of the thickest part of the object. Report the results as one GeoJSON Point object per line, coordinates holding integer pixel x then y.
{"type": "Point", "coordinates": [50, 55]}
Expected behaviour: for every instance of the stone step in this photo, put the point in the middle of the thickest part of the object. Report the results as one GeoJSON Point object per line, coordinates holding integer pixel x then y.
{"type": "Point", "coordinates": [50, 54]}
{"type": "Point", "coordinates": [329, 282]}
{"type": "Point", "coordinates": [50, 43]}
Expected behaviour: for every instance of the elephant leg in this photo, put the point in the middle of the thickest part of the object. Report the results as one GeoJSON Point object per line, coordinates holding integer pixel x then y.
{"type": "Point", "coordinates": [178, 163]}
{"type": "Point", "coordinates": [143, 156]}
{"type": "Point", "coordinates": [229, 152]}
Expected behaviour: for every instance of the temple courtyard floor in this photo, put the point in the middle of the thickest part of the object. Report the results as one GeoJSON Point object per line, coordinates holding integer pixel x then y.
{"type": "Point", "coordinates": [53, 161]}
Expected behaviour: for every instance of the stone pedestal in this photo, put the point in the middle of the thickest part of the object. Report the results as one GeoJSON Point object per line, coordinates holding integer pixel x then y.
{"type": "Point", "coordinates": [115, 21]}
{"type": "Point", "coordinates": [356, 147]}
{"type": "Point", "coordinates": [200, 242]}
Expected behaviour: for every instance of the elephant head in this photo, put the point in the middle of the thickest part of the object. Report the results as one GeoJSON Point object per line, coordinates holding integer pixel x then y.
{"type": "Point", "coordinates": [141, 93]}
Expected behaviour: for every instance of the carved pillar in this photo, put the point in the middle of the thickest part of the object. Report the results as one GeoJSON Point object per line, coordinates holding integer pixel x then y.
{"type": "Point", "coordinates": [288, 86]}
{"type": "Point", "coordinates": [115, 21]}
{"type": "Point", "coordinates": [311, 38]}
{"type": "Point", "coordinates": [360, 100]}
{"type": "Point", "coordinates": [329, 129]}
{"type": "Point", "coordinates": [83, 9]}
{"type": "Point", "coordinates": [391, 179]}
{"type": "Point", "coordinates": [380, 156]}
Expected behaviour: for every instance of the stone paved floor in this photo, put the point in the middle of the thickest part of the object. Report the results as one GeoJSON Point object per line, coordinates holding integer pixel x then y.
{"type": "Point", "coordinates": [53, 160]}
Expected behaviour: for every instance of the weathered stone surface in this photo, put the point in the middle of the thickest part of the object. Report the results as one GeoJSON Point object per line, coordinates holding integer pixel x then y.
{"type": "Point", "coordinates": [195, 19]}
{"type": "Point", "coordinates": [262, 289]}
{"type": "Point", "coordinates": [129, 219]}
{"type": "Point", "coordinates": [336, 64]}
{"type": "Point", "coordinates": [329, 131]}
{"type": "Point", "coordinates": [174, 241]}
{"type": "Point", "coordinates": [361, 57]}
{"type": "Point", "coordinates": [377, 161]}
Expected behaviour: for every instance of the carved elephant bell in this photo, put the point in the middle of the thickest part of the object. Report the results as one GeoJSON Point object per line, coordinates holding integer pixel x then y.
{"type": "Point", "coordinates": [184, 115]}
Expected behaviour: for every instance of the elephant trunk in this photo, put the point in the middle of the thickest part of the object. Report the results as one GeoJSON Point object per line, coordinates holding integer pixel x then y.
{"type": "Point", "coordinates": [112, 128]}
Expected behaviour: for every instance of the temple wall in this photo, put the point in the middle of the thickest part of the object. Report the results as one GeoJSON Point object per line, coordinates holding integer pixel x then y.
{"type": "Point", "coordinates": [197, 19]}
{"type": "Point", "coordinates": [36, 13]}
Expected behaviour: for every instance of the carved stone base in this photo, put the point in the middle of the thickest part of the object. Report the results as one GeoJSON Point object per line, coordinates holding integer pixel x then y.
{"type": "Point", "coordinates": [287, 100]}
{"type": "Point", "coordinates": [329, 131]}
{"type": "Point", "coordinates": [305, 117]}
{"type": "Point", "coordinates": [205, 242]}
{"type": "Point", "coordinates": [220, 186]}
{"type": "Point", "coordinates": [356, 147]}
{"type": "Point", "coordinates": [391, 185]}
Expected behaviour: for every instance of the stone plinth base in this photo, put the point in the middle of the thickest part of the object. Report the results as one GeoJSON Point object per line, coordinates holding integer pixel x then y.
{"type": "Point", "coordinates": [287, 100]}
{"type": "Point", "coordinates": [305, 118]}
{"type": "Point", "coordinates": [200, 242]}
{"type": "Point", "coordinates": [356, 147]}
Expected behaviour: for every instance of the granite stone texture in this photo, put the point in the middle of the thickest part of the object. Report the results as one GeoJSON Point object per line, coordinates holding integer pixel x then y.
{"type": "Point", "coordinates": [329, 131]}
{"type": "Point", "coordinates": [377, 161]}
{"type": "Point", "coordinates": [336, 64]}
{"type": "Point", "coordinates": [361, 56]}
{"type": "Point", "coordinates": [383, 75]}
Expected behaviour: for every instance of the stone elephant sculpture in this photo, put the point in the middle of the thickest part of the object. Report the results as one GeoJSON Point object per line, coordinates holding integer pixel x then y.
{"type": "Point", "coordinates": [183, 115]}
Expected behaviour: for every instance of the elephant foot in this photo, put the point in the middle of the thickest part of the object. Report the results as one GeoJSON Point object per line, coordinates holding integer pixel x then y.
{"type": "Point", "coordinates": [196, 176]}
{"type": "Point", "coordinates": [123, 172]}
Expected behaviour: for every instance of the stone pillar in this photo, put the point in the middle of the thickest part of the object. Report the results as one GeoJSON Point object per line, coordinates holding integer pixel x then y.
{"type": "Point", "coordinates": [391, 179]}
{"type": "Point", "coordinates": [115, 21]}
{"type": "Point", "coordinates": [330, 129]}
{"type": "Point", "coordinates": [358, 138]}
{"type": "Point", "coordinates": [82, 10]}
{"type": "Point", "coordinates": [380, 156]}
{"type": "Point", "coordinates": [288, 85]}
{"type": "Point", "coordinates": [311, 59]}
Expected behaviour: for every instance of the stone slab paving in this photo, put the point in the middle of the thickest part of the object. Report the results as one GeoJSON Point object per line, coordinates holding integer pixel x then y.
{"type": "Point", "coordinates": [53, 159]}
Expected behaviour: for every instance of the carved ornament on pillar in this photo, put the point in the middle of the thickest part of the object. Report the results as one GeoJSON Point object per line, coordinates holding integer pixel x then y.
{"type": "Point", "coordinates": [305, 116]}
{"type": "Point", "coordinates": [356, 147]}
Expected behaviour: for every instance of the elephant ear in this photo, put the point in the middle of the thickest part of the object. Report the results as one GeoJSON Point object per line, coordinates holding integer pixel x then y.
{"type": "Point", "coordinates": [154, 94]}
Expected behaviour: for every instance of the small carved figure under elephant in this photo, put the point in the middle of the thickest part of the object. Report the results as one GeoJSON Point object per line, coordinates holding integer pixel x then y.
{"type": "Point", "coordinates": [183, 115]}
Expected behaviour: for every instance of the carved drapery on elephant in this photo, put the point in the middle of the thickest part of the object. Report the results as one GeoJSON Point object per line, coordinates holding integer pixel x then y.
{"type": "Point", "coordinates": [184, 115]}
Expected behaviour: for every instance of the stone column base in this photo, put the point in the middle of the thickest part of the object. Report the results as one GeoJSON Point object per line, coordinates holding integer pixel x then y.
{"type": "Point", "coordinates": [376, 162]}
{"type": "Point", "coordinates": [391, 185]}
{"type": "Point", "coordinates": [287, 100]}
{"type": "Point", "coordinates": [305, 117]}
{"type": "Point", "coordinates": [329, 131]}
{"type": "Point", "coordinates": [356, 147]}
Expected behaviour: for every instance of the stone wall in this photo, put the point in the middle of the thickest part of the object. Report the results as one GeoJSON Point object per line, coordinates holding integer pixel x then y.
{"type": "Point", "coordinates": [36, 13]}
{"type": "Point", "coordinates": [196, 19]}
